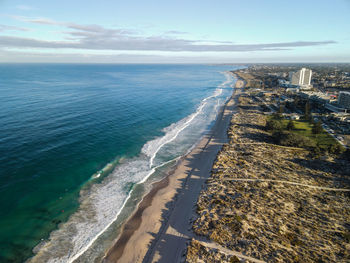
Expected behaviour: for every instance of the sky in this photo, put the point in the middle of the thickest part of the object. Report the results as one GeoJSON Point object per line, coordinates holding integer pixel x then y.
{"type": "Point", "coordinates": [181, 31]}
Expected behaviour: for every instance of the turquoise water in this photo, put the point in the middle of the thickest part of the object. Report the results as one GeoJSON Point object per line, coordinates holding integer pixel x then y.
{"type": "Point", "coordinates": [60, 125]}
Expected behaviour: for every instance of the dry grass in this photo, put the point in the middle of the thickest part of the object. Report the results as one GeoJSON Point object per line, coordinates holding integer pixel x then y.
{"type": "Point", "coordinates": [272, 221]}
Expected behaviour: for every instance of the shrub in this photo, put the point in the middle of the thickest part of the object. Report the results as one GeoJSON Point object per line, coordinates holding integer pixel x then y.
{"type": "Point", "coordinates": [346, 236]}
{"type": "Point", "coordinates": [336, 148]}
{"type": "Point", "coordinates": [316, 152]}
{"type": "Point", "coordinates": [346, 154]}
{"type": "Point", "coordinates": [277, 116]}
{"type": "Point", "coordinates": [234, 259]}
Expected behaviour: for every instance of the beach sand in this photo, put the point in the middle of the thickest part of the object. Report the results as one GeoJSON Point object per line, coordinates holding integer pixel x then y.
{"type": "Point", "coordinates": [161, 226]}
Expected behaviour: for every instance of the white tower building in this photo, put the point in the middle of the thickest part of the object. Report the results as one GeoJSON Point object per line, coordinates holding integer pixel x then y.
{"type": "Point", "coordinates": [301, 78]}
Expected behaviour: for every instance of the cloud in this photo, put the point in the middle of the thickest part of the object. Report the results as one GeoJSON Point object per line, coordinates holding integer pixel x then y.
{"type": "Point", "coordinates": [25, 7]}
{"type": "Point", "coordinates": [118, 41]}
{"type": "Point", "coordinates": [12, 28]}
{"type": "Point", "coordinates": [43, 21]}
{"type": "Point", "coordinates": [54, 57]}
{"type": "Point", "coordinates": [175, 32]}
{"type": "Point", "coordinates": [82, 28]}
{"type": "Point", "coordinates": [96, 37]}
{"type": "Point", "coordinates": [36, 20]}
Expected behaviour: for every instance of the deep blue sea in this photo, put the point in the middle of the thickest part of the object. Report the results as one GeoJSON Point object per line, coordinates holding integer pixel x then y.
{"type": "Point", "coordinates": [80, 142]}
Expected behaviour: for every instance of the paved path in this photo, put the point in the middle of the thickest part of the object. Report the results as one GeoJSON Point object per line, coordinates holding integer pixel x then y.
{"type": "Point", "coordinates": [229, 252]}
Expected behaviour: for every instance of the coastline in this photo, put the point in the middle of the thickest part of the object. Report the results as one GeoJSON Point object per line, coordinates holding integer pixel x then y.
{"type": "Point", "coordinates": [162, 220]}
{"type": "Point", "coordinates": [93, 229]}
{"type": "Point", "coordinates": [268, 202]}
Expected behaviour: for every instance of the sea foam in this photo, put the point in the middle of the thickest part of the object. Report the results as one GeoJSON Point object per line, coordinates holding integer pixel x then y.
{"type": "Point", "coordinates": [102, 203]}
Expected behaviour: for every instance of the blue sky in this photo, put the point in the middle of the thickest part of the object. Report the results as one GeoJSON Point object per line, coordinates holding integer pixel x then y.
{"type": "Point", "coordinates": [154, 31]}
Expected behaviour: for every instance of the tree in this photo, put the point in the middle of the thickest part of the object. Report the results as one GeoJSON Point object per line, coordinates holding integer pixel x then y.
{"type": "Point", "coordinates": [287, 138]}
{"type": "Point", "coordinates": [290, 125]}
{"type": "Point", "coordinates": [274, 125]}
{"type": "Point", "coordinates": [317, 128]}
{"type": "Point", "coordinates": [312, 121]}
{"type": "Point", "coordinates": [277, 116]}
{"type": "Point", "coordinates": [296, 102]}
{"type": "Point", "coordinates": [289, 105]}
{"type": "Point", "coordinates": [307, 112]}
{"type": "Point", "coordinates": [281, 109]}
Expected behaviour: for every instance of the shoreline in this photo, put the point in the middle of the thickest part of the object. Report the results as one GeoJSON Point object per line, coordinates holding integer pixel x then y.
{"type": "Point", "coordinates": [268, 202]}
{"type": "Point", "coordinates": [147, 226]}
{"type": "Point", "coordinates": [106, 236]}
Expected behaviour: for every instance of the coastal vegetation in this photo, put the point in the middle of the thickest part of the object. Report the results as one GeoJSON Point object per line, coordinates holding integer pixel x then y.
{"type": "Point", "coordinates": [269, 201]}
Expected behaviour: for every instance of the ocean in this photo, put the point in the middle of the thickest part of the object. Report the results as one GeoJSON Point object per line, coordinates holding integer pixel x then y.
{"type": "Point", "coordinates": [80, 145]}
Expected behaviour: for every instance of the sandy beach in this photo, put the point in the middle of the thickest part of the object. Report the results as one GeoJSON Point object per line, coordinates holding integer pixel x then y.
{"type": "Point", "coordinates": [161, 226]}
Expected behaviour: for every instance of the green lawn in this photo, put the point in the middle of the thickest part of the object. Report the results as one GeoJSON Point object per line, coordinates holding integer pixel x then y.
{"type": "Point", "coordinates": [303, 127]}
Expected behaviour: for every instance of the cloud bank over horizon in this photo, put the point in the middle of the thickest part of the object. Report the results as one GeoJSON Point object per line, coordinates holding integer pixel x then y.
{"type": "Point", "coordinates": [162, 31]}
{"type": "Point", "coordinates": [96, 37]}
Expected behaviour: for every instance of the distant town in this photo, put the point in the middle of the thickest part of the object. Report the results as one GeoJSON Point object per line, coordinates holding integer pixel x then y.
{"type": "Point", "coordinates": [291, 90]}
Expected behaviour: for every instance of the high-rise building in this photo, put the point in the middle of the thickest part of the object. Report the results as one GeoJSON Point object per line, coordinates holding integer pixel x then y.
{"type": "Point", "coordinates": [344, 99]}
{"type": "Point", "coordinates": [301, 77]}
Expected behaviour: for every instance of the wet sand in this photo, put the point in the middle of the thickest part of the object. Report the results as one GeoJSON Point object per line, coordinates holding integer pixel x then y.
{"type": "Point", "coordinates": [161, 226]}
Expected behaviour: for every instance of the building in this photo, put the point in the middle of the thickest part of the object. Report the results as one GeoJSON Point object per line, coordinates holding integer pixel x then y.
{"type": "Point", "coordinates": [294, 117]}
{"type": "Point", "coordinates": [344, 99]}
{"type": "Point", "coordinates": [319, 97]}
{"type": "Point", "coordinates": [301, 78]}
{"type": "Point", "coordinates": [334, 108]}
{"type": "Point", "coordinates": [293, 90]}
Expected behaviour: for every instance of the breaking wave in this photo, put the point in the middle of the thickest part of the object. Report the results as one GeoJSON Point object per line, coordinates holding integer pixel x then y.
{"type": "Point", "coordinates": [101, 203]}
